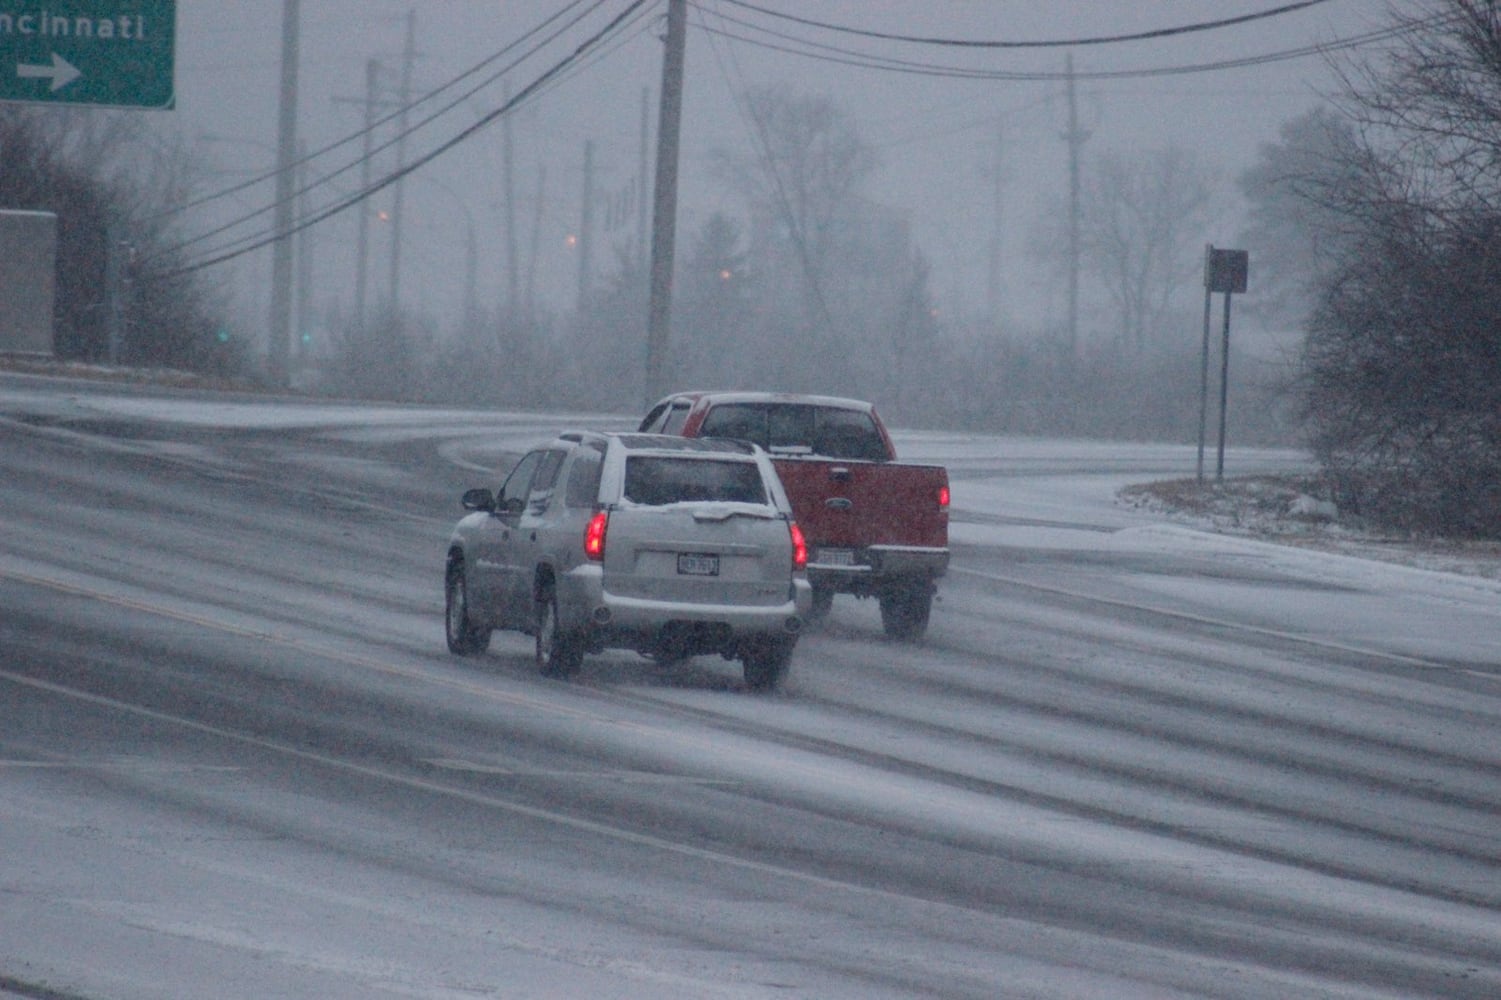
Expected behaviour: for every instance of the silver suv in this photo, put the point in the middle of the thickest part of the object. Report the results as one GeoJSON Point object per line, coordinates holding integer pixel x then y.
{"type": "Point", "coordinates": [669, 546]}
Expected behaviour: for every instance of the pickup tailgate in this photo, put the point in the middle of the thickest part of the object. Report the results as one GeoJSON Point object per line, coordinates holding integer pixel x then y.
{"type": "Point", "coordinates": [856, 504]}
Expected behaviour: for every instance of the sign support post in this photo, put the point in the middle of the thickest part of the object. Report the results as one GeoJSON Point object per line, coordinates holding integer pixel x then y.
{"type": "Point", "coordinates": [1224, 271]}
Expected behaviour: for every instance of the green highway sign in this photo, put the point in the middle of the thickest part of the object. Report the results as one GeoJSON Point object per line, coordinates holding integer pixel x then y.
{"type": "Point", "coordinates": [113, 53]}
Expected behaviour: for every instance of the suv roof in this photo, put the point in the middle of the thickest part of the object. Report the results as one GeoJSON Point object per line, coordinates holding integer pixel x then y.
{"type": "Point", "coordinates": [635, 441]}
{"type": "Point", "coordinates": [755, 396]}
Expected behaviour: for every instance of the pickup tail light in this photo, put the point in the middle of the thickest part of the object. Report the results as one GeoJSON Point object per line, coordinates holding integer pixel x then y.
{"type": "Point", "coordinates": [943, 497]}
{"type": "Point", "coordinates": [799, 546]}
{"type": "Point", "coordinates": [594, 536]}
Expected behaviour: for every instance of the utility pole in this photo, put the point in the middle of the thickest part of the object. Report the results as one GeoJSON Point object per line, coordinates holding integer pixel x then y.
{"type": "Point", "coordinates": [278, 349]}
{"type": "Point", "coordinates": [1075, 138]}
{"type": "Point", "coordinates": [531, 265]}
{"type": "Point", "coordinates": [304, 258]}
{"type": "Point", "coordinates": [362, 259]}
{"type": "Point", "coordinates": [586, 224]}
{"type": "Point", "coordinates": [641, 175]}
{"type": "Point", "coordinates": [665, 200]}
{"type": "Point", "coordinates": [993, 285]}
{"type": "Point", "coordinates": [409, 55]}
{"type": "Point", "coordinates": [508, 178]}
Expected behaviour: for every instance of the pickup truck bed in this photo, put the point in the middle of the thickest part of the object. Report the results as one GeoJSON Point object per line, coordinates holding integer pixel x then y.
{"type": "Point", "coordinates": [875, 527]}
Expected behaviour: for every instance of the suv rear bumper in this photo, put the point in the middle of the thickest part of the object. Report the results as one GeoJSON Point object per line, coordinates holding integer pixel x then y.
{"type": "Point", "coordinates": [584, 604]}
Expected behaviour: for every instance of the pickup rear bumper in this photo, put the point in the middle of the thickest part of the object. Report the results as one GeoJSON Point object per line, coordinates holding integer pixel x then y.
{"type": "Point", "coordinates": [864, 570]}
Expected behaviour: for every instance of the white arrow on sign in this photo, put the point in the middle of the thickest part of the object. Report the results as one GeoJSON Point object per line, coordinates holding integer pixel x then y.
{"type": "Point", "coordinates": [61, 71]}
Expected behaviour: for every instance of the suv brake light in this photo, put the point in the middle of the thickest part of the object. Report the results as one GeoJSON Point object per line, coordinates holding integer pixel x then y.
{"type": "Point", "coordinates": [594, 536]}
{"type": "Point", "coordinates": [799, 546]}
{"type": "Point", "coordinates": [943, 497]}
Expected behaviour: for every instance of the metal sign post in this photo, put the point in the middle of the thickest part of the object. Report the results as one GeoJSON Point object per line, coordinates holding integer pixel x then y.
{"type": "Point", "coordinates": [1225, 271]}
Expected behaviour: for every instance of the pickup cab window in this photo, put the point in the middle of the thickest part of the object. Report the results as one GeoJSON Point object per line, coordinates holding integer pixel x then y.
{"type": "Point", "coordinates": [667, 418]}
{"type": "Point", "coordinates": [833, 432]}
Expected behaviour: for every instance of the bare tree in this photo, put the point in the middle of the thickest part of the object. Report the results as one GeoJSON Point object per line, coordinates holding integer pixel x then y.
{"type": "Point", "coordinates": [1143, 223]}
{"type": "Point", "coordinates": [1295, 230]}
{"type": "Point", "coordinates": [801, 183]}
{"type": "Point", "coordinates": [837, 274]}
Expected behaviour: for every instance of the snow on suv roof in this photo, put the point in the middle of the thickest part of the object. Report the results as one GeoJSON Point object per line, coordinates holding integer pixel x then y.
{"type": "Point", "coordinates": [750, 396]}
{"type": "Point", "coordinates": [670, 442]}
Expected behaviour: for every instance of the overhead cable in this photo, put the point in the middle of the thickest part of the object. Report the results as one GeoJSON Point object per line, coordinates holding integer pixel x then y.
{"type": "Point", "coordinates": [1183, 29]}
{"type": "Point", "coordinates": [793, 45]}
{"type": "Point", "coordinates": [328, 178]}
{"type": "Point", "coordinates": [396, 113]}
{"type": "Point", "coordinates": [403, 170]}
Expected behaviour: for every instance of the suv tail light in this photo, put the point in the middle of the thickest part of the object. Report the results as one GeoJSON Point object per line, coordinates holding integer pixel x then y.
{"type": "Point", "coordinates": [594, 536]}
{"type": "Point", "coordinates": [943, 497]}
{"type": "Point", "coordinates": [799, 546]}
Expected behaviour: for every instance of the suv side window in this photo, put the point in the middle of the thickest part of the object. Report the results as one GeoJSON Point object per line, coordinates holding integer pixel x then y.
{"type": "Point", "coordinates": [540, 493]}
{"type": "Point", "coordinates": [513, 492]}
{"type": "Point", "coordinates": [583, 479]}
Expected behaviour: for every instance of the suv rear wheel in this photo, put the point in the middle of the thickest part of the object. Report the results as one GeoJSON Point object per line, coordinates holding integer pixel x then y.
{"type": "Point", "coordinates": [766, 663]}
{"type": "Point", "coordinates": [559, 654]}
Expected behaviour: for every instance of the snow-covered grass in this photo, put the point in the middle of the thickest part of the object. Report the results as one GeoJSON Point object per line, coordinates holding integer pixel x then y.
{"type": "Point", "coordinates": [1290, 509]}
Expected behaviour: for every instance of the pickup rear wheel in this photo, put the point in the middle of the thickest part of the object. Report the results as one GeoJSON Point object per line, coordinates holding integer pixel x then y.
{"type": "Point", "coordinates": [464, 637]}
{"type": "Point", "coordinates": [823, 602]}
{"type": "Point", "coordinates": [905, 609]}
{"type": "Point", "coordinates": [766, 663]}
{"type": "Point", "coordinates": [559, 654]}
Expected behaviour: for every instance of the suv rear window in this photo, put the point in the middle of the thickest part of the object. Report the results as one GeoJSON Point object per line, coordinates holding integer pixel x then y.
{"type": "Point", "coordinates": [655, 480]}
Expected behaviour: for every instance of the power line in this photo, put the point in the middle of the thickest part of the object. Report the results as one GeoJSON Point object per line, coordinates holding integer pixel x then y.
{"type": "Point", "coordinates": [526, 94]}
{"type": "Point", "coordinates": [328, 179]}
{"type": "Point", "coordinates": [602, 51]}
{"type": "Point", "coordinates": [1183, 29]}
{"type": "Point", "coordinates": [396, 113]}
{"type": "Point", "coordinates": [805, 48]}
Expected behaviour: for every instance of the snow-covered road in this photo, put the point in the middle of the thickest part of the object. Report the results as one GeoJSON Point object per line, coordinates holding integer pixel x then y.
{"type": "Point", "coordinates": [1132, 759]}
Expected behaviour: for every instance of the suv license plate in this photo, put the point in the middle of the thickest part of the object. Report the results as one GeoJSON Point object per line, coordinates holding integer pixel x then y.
{"type": "Point", "coordinates": [698, 564]}
{"type": "Point", "coordinates": [836, 557]}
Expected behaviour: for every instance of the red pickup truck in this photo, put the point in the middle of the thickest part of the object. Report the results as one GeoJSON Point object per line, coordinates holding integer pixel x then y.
{"type": "Point", "coordinates": [875, 527]}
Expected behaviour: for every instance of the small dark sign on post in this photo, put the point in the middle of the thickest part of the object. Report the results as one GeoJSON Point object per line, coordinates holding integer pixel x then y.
{"type": "Point", "coordinates": [1225, 271]}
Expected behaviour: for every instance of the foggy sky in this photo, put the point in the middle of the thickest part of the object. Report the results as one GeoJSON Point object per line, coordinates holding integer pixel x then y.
{"type": "Point", "coordinates": [939, 139]}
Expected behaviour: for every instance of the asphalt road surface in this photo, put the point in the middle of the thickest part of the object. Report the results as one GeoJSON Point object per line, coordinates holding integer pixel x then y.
{"type": "Point", "coordinates": [236, 760]}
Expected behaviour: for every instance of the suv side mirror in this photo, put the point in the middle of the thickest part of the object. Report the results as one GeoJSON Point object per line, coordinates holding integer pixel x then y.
{"type": "Point", "coordinates": [479, 498]}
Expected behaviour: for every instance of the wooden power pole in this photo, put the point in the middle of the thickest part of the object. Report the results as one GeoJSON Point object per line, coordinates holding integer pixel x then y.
{"type": "Point", "coordinates": [665, 201]}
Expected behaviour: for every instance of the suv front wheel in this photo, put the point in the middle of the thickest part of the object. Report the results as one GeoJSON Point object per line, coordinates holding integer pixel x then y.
{"type": "Point", "coordinates": [464, 637]}
{"type": "Point", "coordinates": [559, 654]}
